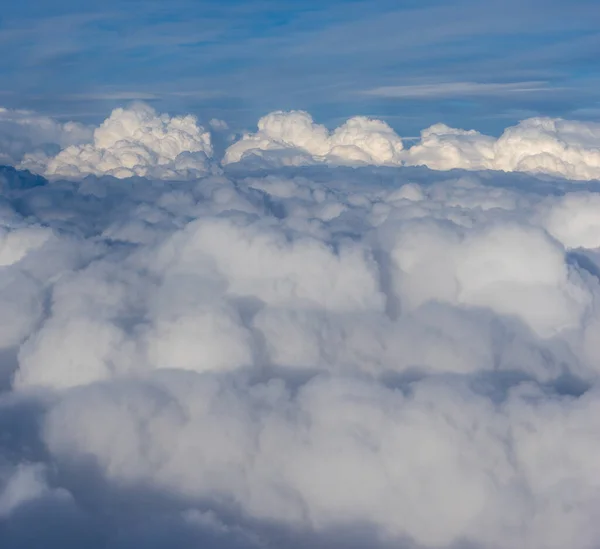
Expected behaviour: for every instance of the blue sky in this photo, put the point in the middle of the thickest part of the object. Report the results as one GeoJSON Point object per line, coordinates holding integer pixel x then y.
{"type": "Point", "coordinates": [474, 64]}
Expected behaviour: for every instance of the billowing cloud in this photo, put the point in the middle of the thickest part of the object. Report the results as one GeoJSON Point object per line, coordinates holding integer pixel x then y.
{"type": "Point", "coordinates": [537, 145]}
{"type": "Point", "coordinates": [293, 138]}
{"type": "Point", "coordinates": [134, 141]}
{"type": "Point", "coordinates": [298, 356]}
{"type": "Point", "coordinates": [573, 219]}
{"type": "Point", "coordinates": [558, 147]}
{"type": "Point", "coordinates": [139, 142]}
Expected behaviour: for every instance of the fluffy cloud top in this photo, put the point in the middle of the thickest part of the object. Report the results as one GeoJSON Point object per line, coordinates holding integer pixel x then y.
{"type": "Point", "coordinates": [134, 142]}
{"type": "Point", "coordinates": [537, 145]}
{"type": "Point", "coordinates": [139, 142]}
{"type": "Point", "coordinates": [293, 138]}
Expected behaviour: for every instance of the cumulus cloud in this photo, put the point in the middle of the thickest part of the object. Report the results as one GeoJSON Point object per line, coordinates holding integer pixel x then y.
{"type": "Point", "coordinates": [293, 138]}
{"type": "Point", "coordinates": [573, 219]}
{"type": "Point", "coordinates": [299, 356]}
{"type": "Point", "coordinates": [538, 145]}
{"type": "Point", "coordinates": [557, 147]}
{"type": "Point", "coordinates": [512, 269]}
{"type": "Point", "coordinates": [348, 451]}
{"type": "Point", "coordinates": [139, 142]}
{"type": "Point", "coordinates": [130, 142]}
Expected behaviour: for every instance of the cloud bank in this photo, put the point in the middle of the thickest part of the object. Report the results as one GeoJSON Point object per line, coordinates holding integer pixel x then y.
{"type": "Point", "coordinates": [137, 141]}
{"type": "Point", "coordinates": [537, 145]}
{"type": "Point", "coordinates": [133, 141]}
{"type": "Point", "coordinates": [557, 147]}
{"type": "Point", "coordinates": [293, 138]}
{"type": "Point", "coordinates": [297, 356]}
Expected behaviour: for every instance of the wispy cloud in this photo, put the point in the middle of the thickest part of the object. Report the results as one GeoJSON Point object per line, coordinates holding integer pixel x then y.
{"type": "Point", "coordinates": [451, 89]}
{"type": "Point", "coordinates": [112, 96]}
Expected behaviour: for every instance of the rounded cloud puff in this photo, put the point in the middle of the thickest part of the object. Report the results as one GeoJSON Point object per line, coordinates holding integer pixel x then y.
{"type": "Point", "coordinates": [337, 452]}
{"type": "Point", "coordinates": [573, 219]}
{"type": "Point", "coordinates": [444, 148]}
{"type": "Point", "coordinates": [565, 148]}
{"type": "Point", "coordinates": [136, 142]}
{"type": "Point", "coordinates": [293, 138]}
{"type": "Point", "coordinates": [553, 146]}
{"type": "Point", "coordinates": [559, 147]}
{"type": "Point", "coordinates": [139, 142]}
{"type": "Point", "coordinates": [514, 270]}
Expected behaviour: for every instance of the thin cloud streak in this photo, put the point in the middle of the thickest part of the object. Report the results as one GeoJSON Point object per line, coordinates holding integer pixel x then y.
{"type": "Point", "coordinates": [451, 89]}
{"type": "Point", "coordinates": [112, 96]}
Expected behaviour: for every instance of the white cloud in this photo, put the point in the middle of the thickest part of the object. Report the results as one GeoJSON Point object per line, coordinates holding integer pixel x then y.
{"type": "Point", "coordinates": [345, 451]}
{"type": "Point", "coordinates": [139, 142]}
{"type": "Point", "coordinates": [303, 356]}
{"type": "Point", "coordinates": [293, 138]}
{"type": "Point", "coordinates": [513, 270]}
{"type": "Point", "coordinates": [554, 146]}
{"type": "Point", "coordinates": [557, 147]}
{"type": "Point", "coordinates": [573, 219]}
{"type": "Point", "coordinates": [445, 148]}
{"type": "Point", "coordinates": [134, 141]}
{"type": "Point", "coordinates": [537, 145]}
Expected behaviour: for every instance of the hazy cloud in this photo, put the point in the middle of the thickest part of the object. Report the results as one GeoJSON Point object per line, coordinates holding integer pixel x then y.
{"type": "Point", "coordinates": [457, 89]}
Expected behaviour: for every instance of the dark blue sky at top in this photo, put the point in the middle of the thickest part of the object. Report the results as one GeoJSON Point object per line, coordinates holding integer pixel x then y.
{"type": "Point", "coordinates": [468, 63]}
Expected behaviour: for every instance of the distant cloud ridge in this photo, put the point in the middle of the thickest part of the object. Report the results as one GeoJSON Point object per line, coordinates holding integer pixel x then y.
{"type": "Point", "coordinates": [134, 142]}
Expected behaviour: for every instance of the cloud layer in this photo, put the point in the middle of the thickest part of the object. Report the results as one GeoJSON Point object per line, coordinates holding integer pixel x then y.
{"type": "Point", "coordinates": [299, 356]}
{"type": "Point", "coordinates": [537, 145]}
{"type": "Point", "coordinates": [137, 141]}
{"type": "Point", "coordinates": [558, 147]}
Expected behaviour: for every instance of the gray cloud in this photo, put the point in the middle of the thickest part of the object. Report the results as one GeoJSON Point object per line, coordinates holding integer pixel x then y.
{"type": "Point", "coordinates": [303, 356]}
